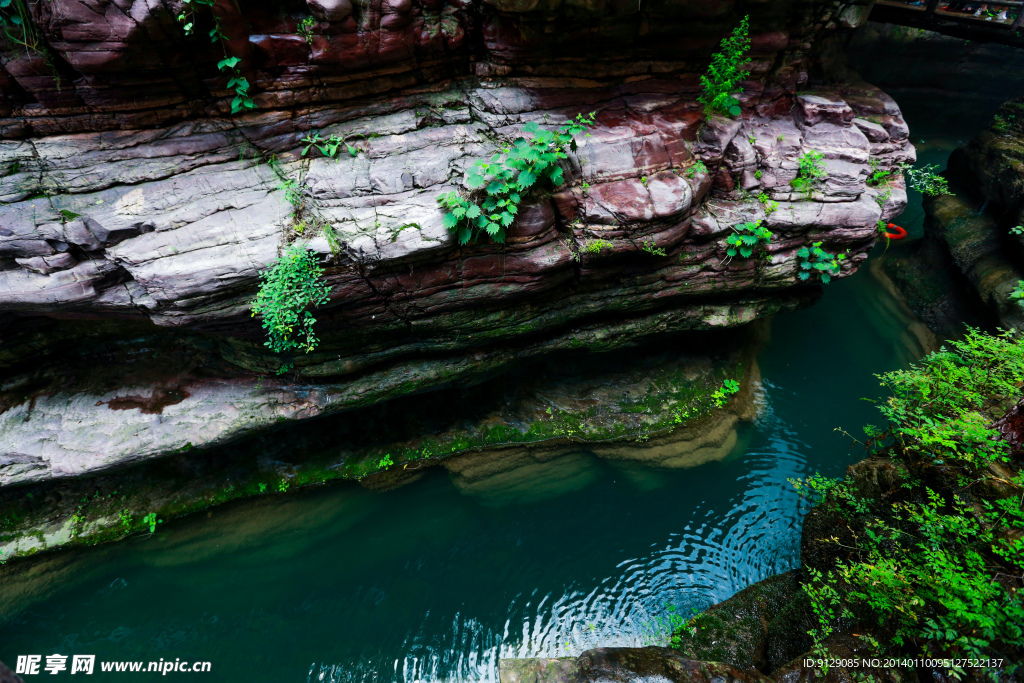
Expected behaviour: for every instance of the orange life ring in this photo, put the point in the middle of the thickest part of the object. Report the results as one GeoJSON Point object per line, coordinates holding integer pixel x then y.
{"type": "Point", "coordinates": [898, 235]}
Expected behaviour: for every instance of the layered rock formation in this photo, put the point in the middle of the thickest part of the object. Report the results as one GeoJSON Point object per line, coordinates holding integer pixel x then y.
{"type": "Point", "coordinates": [971, 233]}
{"type": "Point", "coordinates": [139, 212]}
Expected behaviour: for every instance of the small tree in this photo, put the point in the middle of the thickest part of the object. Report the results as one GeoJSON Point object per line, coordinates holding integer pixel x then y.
{"type": "Point", "coordinates": [288, 289]}
{"type": "Point", "coordinates": [724, 75]}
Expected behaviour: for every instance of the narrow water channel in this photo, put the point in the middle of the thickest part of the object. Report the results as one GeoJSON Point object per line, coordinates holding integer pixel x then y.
{"type": "Point", "coordinates": [427, 583]}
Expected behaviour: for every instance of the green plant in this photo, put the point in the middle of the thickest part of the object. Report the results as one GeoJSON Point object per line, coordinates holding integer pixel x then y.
{"type": "Point", "coordinates": [926, 181]}
{"type": "Point", "coordinates": [746, 238]}
{"type": "Point", "coordinates": [814, 259]}
{"type": "Point", "coordinates": [1017, 230]}
{"type": "Point", "coordinates": [126, 519]}
{"type": "Point", "coordinates": [811, 172]}
{"type": "Point", "coordinates": [643, 180]}
{"type": "Point", "coordinates": [328, 147]}
{"type": "Point", "coordinates": [508, 176]}
{"type": "Point", "coordinates": [697, 167]}
{"type": "Point", "coordinates": [932, 568]}
{"type": "Point", "coordinates": [151, 521]}
{"type": "Point", "coordinates": [66, 215]}
{"type": "Point", "coordinates": [769, 205]}
{"type": "Point", "coordinates": [758, 174]}
{"type": "Point", "coordinates": [725, 73]}
{"type": "Point", "coordinates": [263, 488]}
{"type": "Point", "coordinates": [385, 462]}
{"type": "Point", "coordinates": [652, 249]}
{"type": "Point", "coordinates": [283, 486]}
{"type": "Point", "coordinates": [229, 64]}
{"type": "Point", "coordinates": [878, 175]}
{"type": "Point", "coordinates": [18, 27]}
{"type": "Point", "coordinates": [288, 288]}
{"type": "Point", "coordinates": [728, 388]}
{"type": "Point", "coordinates": [305, 29]}
{"type": "Point", "coordinates": [597, 246]}
{"type": "Point", "coordinates": [1018, 293]}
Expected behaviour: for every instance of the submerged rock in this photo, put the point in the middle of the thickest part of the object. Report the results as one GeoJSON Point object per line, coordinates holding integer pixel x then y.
{"type": "Point", "coordinates": [624, 665]}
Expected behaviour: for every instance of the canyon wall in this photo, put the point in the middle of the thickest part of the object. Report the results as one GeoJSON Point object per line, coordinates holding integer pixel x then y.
{"type": "Point", "coordinates": [138, 211]}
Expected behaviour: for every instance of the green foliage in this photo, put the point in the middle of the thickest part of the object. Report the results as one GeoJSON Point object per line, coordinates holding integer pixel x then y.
{"type": "Point", "coordinates": [263, 488]}
{"type": "Point", "coordinates": [288, 289]}
{"type": "Point", "coordinates": [746, 239]}
{"type": "Point", "coordinates": [66, 215]}
{"type": "Point", "coordinates": [725, 73]}
{"type": "Point", "coordinates": [652, 249]}
{"type": "Point", "coordinates": [878, 175]}
{"type": "Point", "coordinates": [151, 521]}
{"type": "Point", "coordinates": [926, 181]}
{"type": "Point", "coordinates": [1017, 230]}
{"type": "Point", "coordinates": [939, 407]}
{"type": "Point", "coordinates": [814, 259]}
{"type": "Point", "coordinates": [697, 167]}
{"type": "Point", "coordinates": [597, 246]}
{"type": "Point", "coordinates": [229, 64]}
{"type": "Point", "coordinates": [812, 171]}
{"type": "Point", "coordinates": [328, 147]}
{"type": "Point", "coordinates": [1018, 293]}
{"type": "Point", "coordinates": [17, 26]}
{"type": "Point", "coordinates": [385, 462]}
{"type": "Point", "coordinates": [932, 569]}
{"type": "Point", "coordinates": [728, 388]}
{"type": "Point", "coordinates": [506, 179]}
{"type": "Point", "coordinates": [283, 486]}
{"type": "Point", "coordinates": [305, 29]}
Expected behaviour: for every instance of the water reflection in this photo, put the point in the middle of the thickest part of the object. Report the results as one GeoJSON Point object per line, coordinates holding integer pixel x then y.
{"type": "Point", "coordinates": [436, 580]}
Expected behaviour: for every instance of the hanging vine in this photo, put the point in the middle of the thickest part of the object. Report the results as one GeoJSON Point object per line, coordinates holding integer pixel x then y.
{"type": "Point", "coordinates": [229, 65]}
{"type": "Point", "coordinates": [17, 26]}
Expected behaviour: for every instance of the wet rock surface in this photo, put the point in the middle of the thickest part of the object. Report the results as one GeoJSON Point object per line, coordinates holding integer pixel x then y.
{"type": "Point", "coordinates": [137, 213]}
{"type": "Point", "coordinates": [531, 431]}
{"type": "Point", "coordinates": [624, 665]}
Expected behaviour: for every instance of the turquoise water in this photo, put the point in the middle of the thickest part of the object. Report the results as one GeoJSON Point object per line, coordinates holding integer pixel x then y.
{"type": "Point", "coordinates": [427, 583]}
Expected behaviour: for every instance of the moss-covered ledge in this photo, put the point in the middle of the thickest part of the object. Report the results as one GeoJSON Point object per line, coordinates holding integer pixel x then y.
{"type": "Point", "coordinates": [668, 405]}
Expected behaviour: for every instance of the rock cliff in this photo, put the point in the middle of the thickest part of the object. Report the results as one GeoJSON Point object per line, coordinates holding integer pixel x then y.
{"type": "Point", "coordinates": [138, 211]}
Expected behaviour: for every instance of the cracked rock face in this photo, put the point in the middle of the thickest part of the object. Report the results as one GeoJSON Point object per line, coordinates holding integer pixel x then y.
{"type": "Point", "coordinates": [152, 222]}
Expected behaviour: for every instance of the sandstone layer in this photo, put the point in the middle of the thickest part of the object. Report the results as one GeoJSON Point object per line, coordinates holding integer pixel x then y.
{"type": "Point", "coordinates": [138, 212]}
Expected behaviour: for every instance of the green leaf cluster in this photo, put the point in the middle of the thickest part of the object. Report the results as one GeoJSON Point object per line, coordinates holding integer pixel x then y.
{"type": "Point", "coordinates": [926, 181]}
{"type": "Point", "coordinates": [811, 172]}
{"type": "Point", "coordinates": [933, 568]}
{"type": "Point", "coordinates": [722, 81]}
{"type": "Point", "coordinates": [18, 28]}
{"type": "Point", "coordinates": [288, 289]}
{"type": "Point", "coordinates": [814, 259]}
{"type": "Point", "coordinates": [305, 29]}
{"type": "Point", "coordinates": [229, 65]}
{"type": "Point", "coordinates": [746, 238]}
{"type": "Point", "coordinates": [327, 146]}
{"type": "Point", "coordinates": [506, 179]}
{"type": "Point", "coordinates": [1018, 293]}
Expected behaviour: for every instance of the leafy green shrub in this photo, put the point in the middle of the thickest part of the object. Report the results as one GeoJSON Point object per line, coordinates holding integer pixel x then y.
{"type": "Point", "coordinates": [597, 246]}
{"type": "Point", "coordinates": [328, 147]}
{"type": "Point", "coordinates": [926, 181]}
{"type": "Point", "coordinates": [652, 249]}
{"type": "Point", "coordinates": [1018, 293]}
{"type": "Point", "coordinates": [288, 289]}
{"type": "Point", "coordinates": [728, 388]}
{"type": "Point", "coordinates": [932, 567]}
{"type": "Point", "coordinates": [697, 167]}
{"type": "Point", "coordinates": [722, 81]}
{"type": "Point", "coordinates": [151, 521]}
{"type": "Point", "coordinates": [305, 29]}
{"type": "Point", "coordinates": [814, 259]}
{"type": "Point", "coordinates": [229, 65]}
{"type": "Point", "coordinates": [747, 237]}
{"type": "Point", "coordinates": [508, 177]}
{"type": "Point", "coordinates": [878, 175]}
{"type": "Point", "coordinates": [811, 172]}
